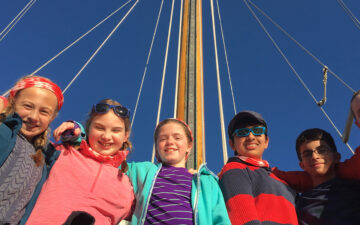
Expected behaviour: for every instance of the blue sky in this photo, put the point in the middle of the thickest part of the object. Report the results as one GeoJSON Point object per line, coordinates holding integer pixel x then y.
{"type": "Point", "coordinates": [262, 80]}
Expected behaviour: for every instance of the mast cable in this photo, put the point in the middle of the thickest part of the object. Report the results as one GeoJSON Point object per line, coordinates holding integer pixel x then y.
{"type": "Point", "coordinates": [77, 40]}
{"type": "Point", "coordinates": [226, 57]}
{"type": "Point", "coordinates": [147, 63]}
{"type": "Point", "coordinates": [178, 60]}
{"type": "Point", "coordinates": [301, 46]}
{"type": "Point", "coordinates": [293, 69]}
{"type": "Point", "coordinates": [202, 88]}
{"type": "Point", "coordinates": [323, 100]}
{"type": "Point", "coordinates": [163, 75]}
{"type": "Point", "coordinates": [223, 137]}
{"type": "Point", "coordinates": [16, 19]}
{"type": "Point", "coordinates": [350, 14]}
{"type": "Point", "coordinates": [101, 45]}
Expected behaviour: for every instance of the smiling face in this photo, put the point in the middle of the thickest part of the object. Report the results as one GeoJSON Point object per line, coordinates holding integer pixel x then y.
{"type": "Point", "coordinates": [318, 160]}
{"type": "Point", "coordinates": [107, 133]}
{"type": "Point", "coordinates": [37, 107]}
{"type": "Point", "coordinates": [251, 145]}
{"type": "Point", "coordinates": [172, 144]}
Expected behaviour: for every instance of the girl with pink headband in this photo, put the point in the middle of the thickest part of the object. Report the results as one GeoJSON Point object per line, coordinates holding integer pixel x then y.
{"type": "Point", "coordinates": [25, 117]}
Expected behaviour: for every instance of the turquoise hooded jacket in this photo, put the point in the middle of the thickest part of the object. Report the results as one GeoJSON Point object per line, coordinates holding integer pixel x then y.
{"type": "Point", "coordinates": [206, 197]}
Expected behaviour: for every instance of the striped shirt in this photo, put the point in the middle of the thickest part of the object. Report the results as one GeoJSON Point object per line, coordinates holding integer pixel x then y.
{"type": "Point", "coordinates": [170, 202]}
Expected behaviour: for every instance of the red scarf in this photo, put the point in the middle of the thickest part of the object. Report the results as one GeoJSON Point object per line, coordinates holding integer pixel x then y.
{"type": "Point", "coordinates": [114, 160]}
{"type": "Point", "coordinates": [254, 162]}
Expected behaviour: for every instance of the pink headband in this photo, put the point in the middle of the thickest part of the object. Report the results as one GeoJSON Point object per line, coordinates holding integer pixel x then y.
{"type": "Point", "coordinates": [40, 83]}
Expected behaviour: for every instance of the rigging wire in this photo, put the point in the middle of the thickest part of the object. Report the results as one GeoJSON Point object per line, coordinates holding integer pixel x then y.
{"type": "Point", "coordinates": [293, 69]}
{"type": "Point", "coordinates": [223, 136]}
{"type": "Point", "coordinates": [178, 60]}
{"type": "Point", "coordinates": [164, 72]}
{"type": "Point", "coordinates": [16, 19]}
{"type": "Point", "coordinates": [226, 57]}
{"type": "Point", "coordinates": [301, 46]}
{"type": "Point", "coordinates": [350, 14]}
{"type": "Point", "coordinates": [101, 45]}
{"type": "Point", "coordinates": [147, 63]}
{"type": "Point", "coordinates": [77, 40]}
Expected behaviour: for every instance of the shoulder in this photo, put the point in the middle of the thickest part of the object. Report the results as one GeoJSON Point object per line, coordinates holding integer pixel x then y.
{"type": "Point", "coordinates": [233, 163]}
{"type": "Point", "coordinates": [140, 167]}
{"type": "Point", "coordinates": [206, 173]}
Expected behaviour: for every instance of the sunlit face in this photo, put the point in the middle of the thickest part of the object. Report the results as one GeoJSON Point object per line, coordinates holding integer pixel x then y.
{"type": "Point", "coordinates": [37, 107]}
{"type": "Point", "coordinates": [250, 146]}
{"type": "Point", "coordinates": [319, 166]}
{"type": "Point", "coordinates": [107, 133]}
{"type": "Point", "coordinates": [173, 145]}
{"type": "Point", "coordinates": [355, 107]}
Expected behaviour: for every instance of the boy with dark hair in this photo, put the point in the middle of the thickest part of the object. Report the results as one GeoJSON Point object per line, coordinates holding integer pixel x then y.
{"type": "Point", "coordinates": [332, 200]}
{"type": "Point", "coordinates": [253, 194]}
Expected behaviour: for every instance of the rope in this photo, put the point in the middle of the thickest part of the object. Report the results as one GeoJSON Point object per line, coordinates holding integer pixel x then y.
{"type": "Point", "coordinates": [219, 87]}
{"type": "Point", "coordinates": [323, 100]}
{"type": "Point", "coordinates": [202, 89]}
{"type": "Point", "coordinates": [147, 63]}
{"type": "Point", "coordinates": [226, 58]}
{"type": "Point", "coordinates": [178, 60]}
{"type": "Point", "coordinates": [350, 14]}
{"type": "Point", "coordinates": [17, 18]}
{"type": "Point", "coordinates": [301, 46]}
{"type": "Point", "coordinates": [164, 72]}
{"type": "Point", "coordinates": [77, 40]}
{"type": "Point", "coordinates": [102, 44]}
{"type": "Point", "coordinates": [293, 69]}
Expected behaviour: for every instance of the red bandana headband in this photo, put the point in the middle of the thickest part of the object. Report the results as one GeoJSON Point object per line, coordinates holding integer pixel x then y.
{"type": "Point", "coordinates": [40, 83]}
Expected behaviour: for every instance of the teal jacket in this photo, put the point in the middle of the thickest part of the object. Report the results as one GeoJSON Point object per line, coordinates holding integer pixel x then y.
{"type": "Point", "coordinates": [206, 197]}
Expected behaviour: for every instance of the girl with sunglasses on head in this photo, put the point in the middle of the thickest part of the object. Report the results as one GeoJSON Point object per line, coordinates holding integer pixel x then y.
{"type": "Point", "coordinates": [166, 192]}
{"type": "Point", "coordinates": [85, 184]}
{"type": "Point", "coordinates": [26, 114]}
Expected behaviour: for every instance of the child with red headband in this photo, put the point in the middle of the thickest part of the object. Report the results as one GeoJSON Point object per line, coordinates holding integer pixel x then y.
{"type": "Point", "coordinates": [25, 117]}
{"type": "Point", "coordinates": [85, 185]}
{"type": "Point", "coordinates": [167, 193]}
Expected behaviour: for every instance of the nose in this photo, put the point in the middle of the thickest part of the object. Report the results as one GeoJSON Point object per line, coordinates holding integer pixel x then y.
{"type": "Point", "coordinates": [251, 136]}
{"type": "Point", "coordinates": [106, 135]}
{"type": "Point", "coordinates": [315, 154]}
{"type": "Point", "coordinates": [33, 115]}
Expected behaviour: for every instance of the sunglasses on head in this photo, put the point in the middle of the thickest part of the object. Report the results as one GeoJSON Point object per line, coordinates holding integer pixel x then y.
{"type": "Point", "coordinates": [118, 109]}
{"type": "Point", "coordinates": [244, 132]}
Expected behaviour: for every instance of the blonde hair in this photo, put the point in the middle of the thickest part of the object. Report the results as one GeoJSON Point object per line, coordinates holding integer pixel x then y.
{"type": "Point", "coordinates": [39, 141]}
{"type": "Point", "coordinates": [127, 144]}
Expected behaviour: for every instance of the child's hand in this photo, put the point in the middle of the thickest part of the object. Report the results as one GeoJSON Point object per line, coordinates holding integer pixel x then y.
{"type": "Point", "coordinates": [3, 103]}
{"type": "Point", "coordinates": [192, 171]}
{"type": "Point", "coordinates": [65, 126]}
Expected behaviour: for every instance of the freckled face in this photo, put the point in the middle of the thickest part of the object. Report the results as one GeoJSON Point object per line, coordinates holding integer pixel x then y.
{"type": "Point", "coordinates": [173, 145]}
{"type": "Point", "coordinates": [107, 133]}
{"type": "Point", "coordinates": [250, 146]}
{"type": "Point", "coordinates": [37, 107]}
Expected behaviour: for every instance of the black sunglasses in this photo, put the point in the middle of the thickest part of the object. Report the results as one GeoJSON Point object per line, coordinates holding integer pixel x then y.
{"type": "Point", "coordinates": [118, 109]}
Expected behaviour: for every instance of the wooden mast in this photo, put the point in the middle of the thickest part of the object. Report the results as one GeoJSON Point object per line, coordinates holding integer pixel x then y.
{"type": "Point", "coordinates": [190, 83]}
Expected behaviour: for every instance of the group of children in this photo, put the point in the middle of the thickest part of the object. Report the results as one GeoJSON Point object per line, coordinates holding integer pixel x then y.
{"type": "Point", "coordinates": [87, 180]}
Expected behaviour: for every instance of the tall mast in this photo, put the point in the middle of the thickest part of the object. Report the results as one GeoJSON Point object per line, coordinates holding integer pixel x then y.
{"type": "Point", "coordinates": [190, 83]}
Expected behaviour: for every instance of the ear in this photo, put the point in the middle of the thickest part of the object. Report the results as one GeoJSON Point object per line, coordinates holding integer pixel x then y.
{"type": "Point", "coordinates": [301, 164]}
{"type": "Point", "coordinates": [126, 136]}
{"type": "Point", "coordinates": [266, 142]}
{"type": "Point", "coordinates": [231, 143]}
{"type": "Point", "coordinates": [190, 145]}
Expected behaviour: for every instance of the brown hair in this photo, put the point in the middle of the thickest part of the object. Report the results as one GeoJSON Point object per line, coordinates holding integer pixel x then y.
{"type": "Point", "coordinates": [39, 142]}
{"type": "Point", "coordinates": [352, 99]}
{"type": "Point", "coordinates": [127, 144]}
{"type": "Point", "coordinates": [185, 127]}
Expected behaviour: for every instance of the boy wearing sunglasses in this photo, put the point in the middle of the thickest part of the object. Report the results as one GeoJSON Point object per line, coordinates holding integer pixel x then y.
{"type": "Point", "coordinates": [253, 194]}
